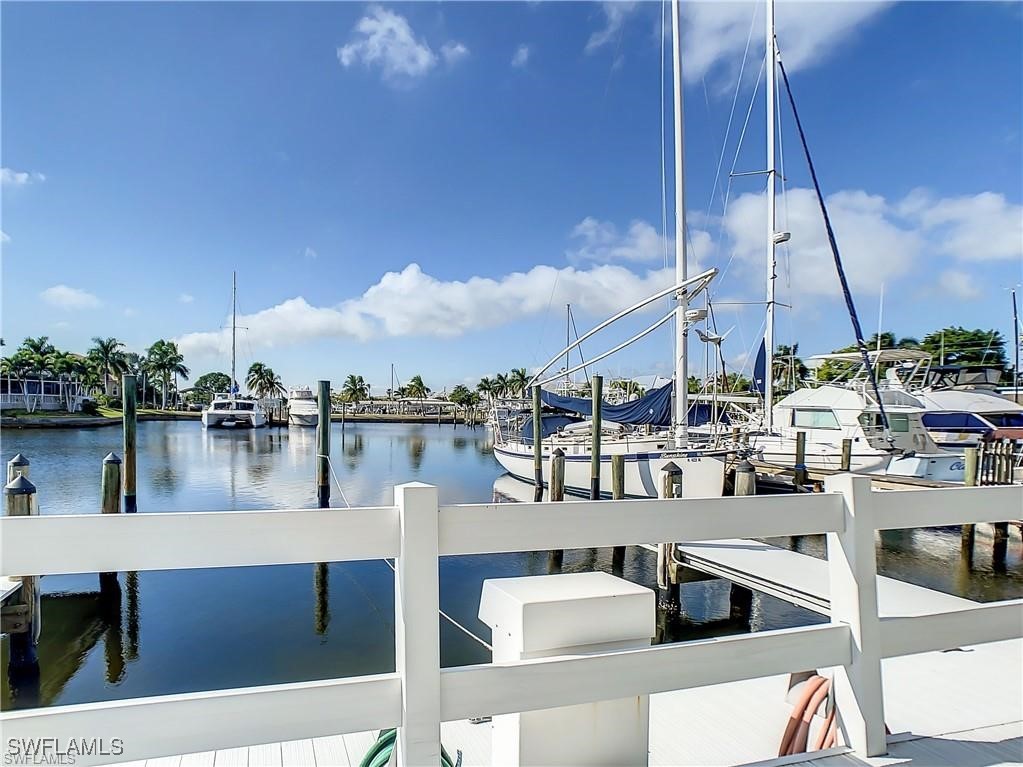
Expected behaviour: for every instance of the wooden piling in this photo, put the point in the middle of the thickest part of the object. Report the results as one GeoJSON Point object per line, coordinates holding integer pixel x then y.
{"type": "Point", "coordinates": [745, 479]}
{"type": "Point", "coordinates": [597, 385]}
{"type": "Point", "coordinates": [110, 503]}
{"type": "Point", "coordinates": [323, 445]}
{"type": "Point", "coordinates": [846, 455]}
{"type": "Point", "coordinates": [968, 532]}
{"type": "Point", "coordinates": [617, 494]}
{"type": "Point", "coordinates": [537, 445]}
{"type": "Point", "coordinates": [799, 473]}
{"type": "Point", "coordinates": [740, 604]}
{"type": "Point", "coordinates": [21, 616]}
{"type": "Point", "coordinates": [668, 591]}
{"type": "Point", "coordinates": [321, 594]}
{"type": "Point", "coordinates": [557, 493]}
{"type": "Point", "coordinates": [17, 465]}
{"type": "Point", "coordinates": [129, 419]}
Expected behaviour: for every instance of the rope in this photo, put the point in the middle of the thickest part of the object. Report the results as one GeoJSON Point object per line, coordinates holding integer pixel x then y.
{"type": "Point", "coordinates": [337, 482]}
{"type": "Point", "coordinates": [453, 622]}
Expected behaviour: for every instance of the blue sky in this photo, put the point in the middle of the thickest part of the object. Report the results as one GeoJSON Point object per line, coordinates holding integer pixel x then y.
{"type": "Point", "coordinates": [428, 184]}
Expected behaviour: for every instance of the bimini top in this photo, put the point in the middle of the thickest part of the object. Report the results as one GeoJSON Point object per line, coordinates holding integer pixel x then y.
{"type": "Point", "coordinates": [885, 355]}
{"type": "Point", "coordinates": [978, 401]}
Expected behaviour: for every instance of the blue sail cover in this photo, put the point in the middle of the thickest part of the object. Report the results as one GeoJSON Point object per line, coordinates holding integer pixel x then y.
{"type": "Point", "coordinates": [654, 408]}
{"type": "Point", "coordinates": [759, 382]}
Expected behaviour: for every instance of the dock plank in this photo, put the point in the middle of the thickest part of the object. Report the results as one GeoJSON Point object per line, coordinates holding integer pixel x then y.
{"type": "Point", "coordinates": [232, 757]}
{"type": "Point", "coordinates": [266, 755]}
{"type": "Point", "coordinates": [298, 753]}
{"type": "Point", "coordinates": [201, 759]}
{"type": "Point", "coordinates": [331, 752]}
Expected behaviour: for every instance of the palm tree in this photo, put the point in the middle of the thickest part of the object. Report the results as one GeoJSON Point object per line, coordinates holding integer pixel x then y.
{"type": "Point", "coordinates": [517, 381]}
{"type": "Point", "coordinates": [355, 389]}
{"type": "Point", "coordinates": [19, 366]}
{"type": "Point", "coordinates": [263, 381]}
{"type": "Point", "coordinates": [487, 388]}
{"type": "Point", "coordinates": [501, 385]}
{"type": "Point", "coordinates": [165, 360]}
{"type": "Point", "coordinates": [110, 357]}
{"type": "Point", "coordinates": [788, 367]}
{"type": "Point", "coordinates": [418, 389]}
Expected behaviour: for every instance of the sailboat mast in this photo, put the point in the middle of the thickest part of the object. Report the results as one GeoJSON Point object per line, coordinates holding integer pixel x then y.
{"type": "Point", "coordinates": [772, 55]}
{"type": "Point", "coordinates": [568, 342]}
{"type": "Point", "coordinates": [234, 322]}
{"type": "Point", "coordinates": [681, 268]}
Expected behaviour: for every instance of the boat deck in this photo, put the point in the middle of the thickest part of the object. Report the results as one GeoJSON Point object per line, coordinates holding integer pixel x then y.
{"type": "Point", "coordinates": [962, 708]}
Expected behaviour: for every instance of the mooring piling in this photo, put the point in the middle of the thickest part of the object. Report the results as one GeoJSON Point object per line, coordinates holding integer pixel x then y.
{"type": "Point", "coordinates": [557, 493]}
{"type": "Point", "coordinates": [110, 503]}
{"type": "Point", "coordinates": [323, 445]}
{"type": "Point", "coordinates": [745, 478]}
{"type": "Point", "coordinates": [598, 392]}
{"type": "Point", "coordinates": [22, 617]}
{"type": "Point", "coordinates": [129, 419]}
{"type": "Point", "coordinates": [970, 458]}
{"type": "Point", "coordinates": [321, 594]}
{"type": "Point", "coordinates": [799, 474]}
{"type": "Point", "coordinates": [846, 455]}
{"type": "Point", "coordinates": [668, 591]}
{"type": "Point", "coordinates": [17, 465]}
{"type": "Point", "coordinates": [617, 493]}
{"type": "Point", "coordinates": [537, 445]}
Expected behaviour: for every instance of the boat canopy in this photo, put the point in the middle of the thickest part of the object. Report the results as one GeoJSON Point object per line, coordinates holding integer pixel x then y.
{"type": "Point", "coordinates": [653, 408]}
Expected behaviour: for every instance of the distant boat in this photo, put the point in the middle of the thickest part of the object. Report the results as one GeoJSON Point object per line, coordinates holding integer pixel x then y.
{"type": "Point", "coordinates": [228, 410]}
{"type": "Point", "coordinates": [302, 407]}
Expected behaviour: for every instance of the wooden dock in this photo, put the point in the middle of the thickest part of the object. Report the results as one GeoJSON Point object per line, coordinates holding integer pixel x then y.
{"type": "Point", "coordinates": [777, 472]}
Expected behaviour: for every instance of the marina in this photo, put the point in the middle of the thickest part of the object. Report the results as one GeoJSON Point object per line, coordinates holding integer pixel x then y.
{"type": "Point", "coordinates": [376, 513]}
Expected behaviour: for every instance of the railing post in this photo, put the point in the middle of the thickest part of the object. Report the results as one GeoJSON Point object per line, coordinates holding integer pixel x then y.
{"type": "Point", "coordinates": [852, 567]}
{"type": "Point", "coordinates": [417, 625]}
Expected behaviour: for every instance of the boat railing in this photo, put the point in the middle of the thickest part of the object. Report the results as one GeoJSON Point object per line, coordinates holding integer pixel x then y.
{"type": "Point", "coordinates": [417, 531]}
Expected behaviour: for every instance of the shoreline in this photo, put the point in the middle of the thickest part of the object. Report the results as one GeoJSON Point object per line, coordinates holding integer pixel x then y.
{"type": "Point", "coordinates": [86, 421]}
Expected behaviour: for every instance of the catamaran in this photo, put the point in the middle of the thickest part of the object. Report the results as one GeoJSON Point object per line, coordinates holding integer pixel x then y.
{"type": "Point", "coordinates": [228, 410]}
{"type": "Point", "coordinates": [651, 433]}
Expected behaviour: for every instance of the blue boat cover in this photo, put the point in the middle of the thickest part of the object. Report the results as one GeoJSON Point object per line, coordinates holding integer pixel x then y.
{"type": "Point", "coordinates": [653, 408]}
{"type": "Point", "coordinates": [548, 425]}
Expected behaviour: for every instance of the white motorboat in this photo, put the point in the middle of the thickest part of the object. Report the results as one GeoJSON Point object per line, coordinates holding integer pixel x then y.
{"type": "Point", "coordinates": [830, 414]}
{"type": "Point", "coordinates": [302, 407]}
{"type": "Point", "coordinates": [228, 410]}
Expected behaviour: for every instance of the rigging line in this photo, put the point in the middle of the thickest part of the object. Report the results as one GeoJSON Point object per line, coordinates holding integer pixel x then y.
{"type": "Point", "coordinates": [735, 161]}
{"type": "Point", "coordinates": [731, 114]}
{"type": "Point", "coordinates": [453, 622]}
{"type": "Point", "coordinates": [546, 316]}
{"type": "Point", "coordinates": [582, 359]}
{"type": "Point", "coordinates": [850, 305]}
{"type": "Point", "coordinates": [330, 465]}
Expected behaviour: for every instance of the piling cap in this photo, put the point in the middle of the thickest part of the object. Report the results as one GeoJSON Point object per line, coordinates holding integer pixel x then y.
{"type": "Point", "coordinates": [19, 486]}
{"type": "Point", "coordinates": [744, 466]}
{"type": "Point", "coordinates": [671, 467]}
{"type": "Point", "coordinates": [112, 457]}
{"type": "Point", "coordinates": [559, 452]}
{"type": "Point", "coordinates": [18, 460]}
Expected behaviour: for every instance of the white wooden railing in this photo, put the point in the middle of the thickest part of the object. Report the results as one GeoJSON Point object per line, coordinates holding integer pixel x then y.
{"type": "Point", "coordinates": [416, 531]}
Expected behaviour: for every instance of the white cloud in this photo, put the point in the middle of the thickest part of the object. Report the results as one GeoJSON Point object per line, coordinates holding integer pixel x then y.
{"type": "Point", "coordinates": [413, 303]}
{"type": "Point", "coordinates": [186, 298]}
{"type": "Point", "coordinates": [385, 39]}
{"type": "Point", "coordinates": [958, 284]}
{"type": "Point", "coordinates": [978, 228]}
{"type": "Point", "coordinates": [311, 254]}
{"type": "Point", "coordinates": [615, 14]}
{"type": "Point", "coordinates": [875, 248]}
{"type": "Point", "coordinates": [64, 297]}
{"type": "Point", "coordinates": [716, 33]}
{"type": "Point", "coordinates": [4, 237]}
{"type": "Point", "coordinates": [521, 56]}
{"type": "Point", "coordinates": [129, 312]}
{"type": "Point", "coordinates": [453, 52]}
{"type": "Point", "coordinates": [601, 241]}
{"type": "Point", "coordinates": [10, 177]}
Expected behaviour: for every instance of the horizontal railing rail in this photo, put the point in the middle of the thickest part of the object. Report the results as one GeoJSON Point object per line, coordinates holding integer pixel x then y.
{"type": "Point", "coordinates": [416, 531]}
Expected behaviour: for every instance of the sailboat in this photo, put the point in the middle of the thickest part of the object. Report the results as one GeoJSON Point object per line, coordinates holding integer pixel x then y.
{"type": "Point", "coordinates": [885, 425]}
{"type": "Point", "coordinates": [651, 433]}
{"type": "Point", "coordinates": [228, 410]}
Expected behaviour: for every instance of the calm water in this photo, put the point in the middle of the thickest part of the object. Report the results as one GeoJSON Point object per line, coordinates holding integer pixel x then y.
{"type": "Point", "coordinates": [206, 629]}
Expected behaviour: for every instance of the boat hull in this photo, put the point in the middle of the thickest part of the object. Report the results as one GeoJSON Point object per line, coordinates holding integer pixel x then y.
{"type": "Point", "coordinates": [248, 420]}
{"type": "Point", "coordinates": [303, 419]}
{"type": "Point", "coordinates": [702, 473]}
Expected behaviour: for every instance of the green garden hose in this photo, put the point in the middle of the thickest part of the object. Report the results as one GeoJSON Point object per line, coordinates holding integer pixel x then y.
{"type": "Point", "coordinates": [380, 752]}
